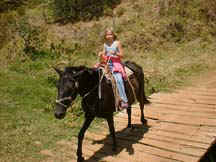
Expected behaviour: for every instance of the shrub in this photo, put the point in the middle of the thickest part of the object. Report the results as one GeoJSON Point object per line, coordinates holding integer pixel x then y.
{"type": "Point", "coordinates": [6, 5]}
{"type": "Point", "coordinates": [189, 19]}
{"type": "Point", "coordinates": [34, 38]}
{"type": "Point", "coordinates": [76, 10]}
{"type": "Point", "coordinates": [6, 27]}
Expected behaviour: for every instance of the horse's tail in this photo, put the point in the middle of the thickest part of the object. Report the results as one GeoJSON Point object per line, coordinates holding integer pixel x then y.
{"type": "Point", "coordinates": [142, 87]}
{"type": "Point", "coordinates": [138, 72]}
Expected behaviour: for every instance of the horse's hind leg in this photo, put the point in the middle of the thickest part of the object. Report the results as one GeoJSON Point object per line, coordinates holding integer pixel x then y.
{"type": "Point", "coordinates": [141, 100]}
{"type": "Point", "coordinates": [85, 126]}
{"type": "Point", "coordinates": [129, 117]}
{"type": "Point", "coordinates": [143, 120]}
{"type": "Point", "coordinates": [112, 131]}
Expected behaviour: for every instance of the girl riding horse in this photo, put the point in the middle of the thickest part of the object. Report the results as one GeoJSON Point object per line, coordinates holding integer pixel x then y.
{"type": "Point", "coordinates": [111, 55]}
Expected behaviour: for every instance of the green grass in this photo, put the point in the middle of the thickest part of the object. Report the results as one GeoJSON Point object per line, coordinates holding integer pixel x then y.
{"type": "Point", "coordinates": [27, 119]}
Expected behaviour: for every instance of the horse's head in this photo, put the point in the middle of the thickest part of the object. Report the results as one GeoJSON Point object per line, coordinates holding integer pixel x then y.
{"type": "Point", "coordinates": [73, 80]}
{"type": "Point", "coordinates": [67, 91]}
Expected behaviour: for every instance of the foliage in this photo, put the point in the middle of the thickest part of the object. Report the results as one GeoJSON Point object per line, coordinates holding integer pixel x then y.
{"type": "Point", "coordinates": [34, 38]}
{"type": "Point", "coordinates": [76, 10]}
{"type": "Point", "coordinates": [10, 5]}
{"type": "Point", "coordinates": [189, 18]}
{"type": "Point", "coordinates": [7, 5]}
{"type": "Point", "coordinates": [6, 27]}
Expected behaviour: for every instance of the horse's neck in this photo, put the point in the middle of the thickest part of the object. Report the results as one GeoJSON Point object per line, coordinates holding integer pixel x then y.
{"type": "Point", "coordinates": [86, 86]}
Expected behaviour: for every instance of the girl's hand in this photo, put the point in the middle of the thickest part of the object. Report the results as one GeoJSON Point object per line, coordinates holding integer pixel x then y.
{"type": "Point", "coordinates": [112, 52]}
{"type": "Point", "coordinates": [114, 56]}
{"type": "Point", "coordinates": [100, 54]}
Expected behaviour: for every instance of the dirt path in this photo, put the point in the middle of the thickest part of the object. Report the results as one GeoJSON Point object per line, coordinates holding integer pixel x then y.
{"type": "Point", "coordinates": [181, 126]}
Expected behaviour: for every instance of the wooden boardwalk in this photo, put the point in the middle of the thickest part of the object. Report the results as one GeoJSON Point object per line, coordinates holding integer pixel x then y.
{"type": "Point", "coordinates": [181, 126]}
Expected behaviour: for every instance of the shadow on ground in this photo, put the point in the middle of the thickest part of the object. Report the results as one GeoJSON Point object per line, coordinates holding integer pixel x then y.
{"type": "Point", "coordinates": [125, 140]}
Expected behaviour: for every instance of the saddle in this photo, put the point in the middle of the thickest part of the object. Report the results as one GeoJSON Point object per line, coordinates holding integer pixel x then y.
{"type": "Point", "coordinates": [108, 75]}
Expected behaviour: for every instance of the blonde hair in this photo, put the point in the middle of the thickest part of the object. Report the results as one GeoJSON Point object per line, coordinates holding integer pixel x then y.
{"type": "Point", "coordinates": [110, 30]}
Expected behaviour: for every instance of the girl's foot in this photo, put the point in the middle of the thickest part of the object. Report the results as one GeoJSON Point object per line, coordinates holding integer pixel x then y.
{"type": "Point", "coordinates": [123, 105]}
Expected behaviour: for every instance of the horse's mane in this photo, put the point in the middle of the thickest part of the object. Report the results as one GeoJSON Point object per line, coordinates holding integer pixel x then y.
{"type": "Point", "coordinates": [77, 70]}
{"type": "Point", "coordinates": [71, 69]}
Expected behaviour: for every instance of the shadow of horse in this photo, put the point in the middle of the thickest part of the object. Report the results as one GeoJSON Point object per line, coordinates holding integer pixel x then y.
{"type": "Point", "coordinates": [126, 138]}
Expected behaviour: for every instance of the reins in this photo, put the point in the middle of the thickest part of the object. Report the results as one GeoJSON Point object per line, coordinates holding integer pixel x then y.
{"type": "Point", "coordinates": [99, 90]}
{"type": "Point", "coordinates": [63, 99]}
{"type": "Point", "coordinates": [89, 92]}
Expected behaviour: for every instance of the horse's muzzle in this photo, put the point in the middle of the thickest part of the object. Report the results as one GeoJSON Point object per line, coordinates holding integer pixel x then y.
{"type": "Point", "coordinates": [60, 115]}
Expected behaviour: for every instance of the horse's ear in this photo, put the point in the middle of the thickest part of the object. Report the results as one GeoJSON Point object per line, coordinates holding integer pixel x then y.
{"type": "Point", "coordinates": [58, 71]}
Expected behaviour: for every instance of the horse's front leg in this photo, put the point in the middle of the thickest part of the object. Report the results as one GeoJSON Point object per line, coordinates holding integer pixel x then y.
{"type": "Point", "coordinates": [85, 126]}
{"type": "Point", "coordinates": [112, 131]}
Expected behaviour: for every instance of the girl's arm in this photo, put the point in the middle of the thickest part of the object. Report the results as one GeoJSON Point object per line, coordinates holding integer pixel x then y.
{"type": "Point", "coordinates": [120, 53]}
{"type": "Point", "coordinates": [101, 53]}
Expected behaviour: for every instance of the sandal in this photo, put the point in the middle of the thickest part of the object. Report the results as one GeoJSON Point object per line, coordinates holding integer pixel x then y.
{"type": "Point", "coordinates": [123, 105]}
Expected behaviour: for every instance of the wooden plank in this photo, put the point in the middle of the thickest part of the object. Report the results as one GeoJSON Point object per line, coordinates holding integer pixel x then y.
{"type": "Point", "coordinates": [187, 96]}
{"type": "Point", "coordinates": [197, 90]}
{"type": "Point", "coordinates": [163, 110]}
{"type": "Point", "coordinates": [182, 107]}
{"type": "Point", "coordinates": [179, 119]}
{"type": "Point", "coordinates": [179, 103]}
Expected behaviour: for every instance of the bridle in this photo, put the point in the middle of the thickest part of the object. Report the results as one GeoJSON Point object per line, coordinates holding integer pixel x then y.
{"type": "Point", "coordinates": [69, 98]}
{"type": "Point", "coordinates": [63, 99]}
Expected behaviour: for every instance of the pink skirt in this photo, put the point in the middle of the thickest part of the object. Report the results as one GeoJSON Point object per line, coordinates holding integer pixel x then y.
{"type": "Point", "coordinates": [118, 67]}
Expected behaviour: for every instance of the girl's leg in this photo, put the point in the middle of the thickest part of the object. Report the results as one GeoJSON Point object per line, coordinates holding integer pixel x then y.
{"type": "Point", "coordinates": [120, 86]}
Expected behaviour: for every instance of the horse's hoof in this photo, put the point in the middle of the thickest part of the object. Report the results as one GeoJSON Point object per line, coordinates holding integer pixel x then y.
{"type": "Point", "coordinates": [80, 159]}
{"type": "Point", "coordinates": [144, 121]}
{"type": "Point", "coordinates": [114, 149]}
{"type": "Point", "coordinates": [129, 126]}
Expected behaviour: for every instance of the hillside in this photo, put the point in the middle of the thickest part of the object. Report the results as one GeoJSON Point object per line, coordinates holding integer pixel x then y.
{"type": "Point", "coordinates": [171, 39]}
{"type": "Point", "coordinates": [176, 35]}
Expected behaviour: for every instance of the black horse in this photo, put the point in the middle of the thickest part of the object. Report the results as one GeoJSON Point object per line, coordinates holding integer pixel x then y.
{"type": "Point", "coordinates": [85, 82]}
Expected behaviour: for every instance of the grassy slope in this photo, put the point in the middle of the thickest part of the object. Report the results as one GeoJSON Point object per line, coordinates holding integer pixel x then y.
{"type": "Point", "coordinates": [27, 88]}
{"type": "Point", "coordinates": [26, 113]}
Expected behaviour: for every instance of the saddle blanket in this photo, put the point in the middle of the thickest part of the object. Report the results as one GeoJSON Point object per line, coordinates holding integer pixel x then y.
{"type": "Point", "coordinates": [128, 72]}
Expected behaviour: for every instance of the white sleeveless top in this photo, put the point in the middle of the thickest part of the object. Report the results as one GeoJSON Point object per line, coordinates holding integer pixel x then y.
{"type": "Point", "coordinates": [112, 47]}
